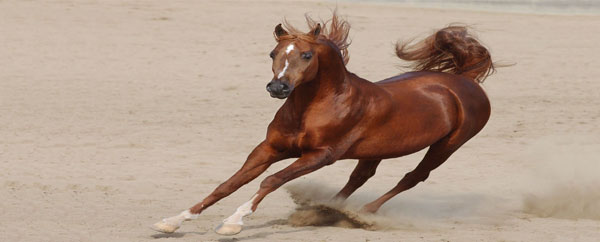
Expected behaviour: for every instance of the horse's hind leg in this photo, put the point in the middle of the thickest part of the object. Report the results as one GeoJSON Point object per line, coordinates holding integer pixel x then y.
{"type": "Point", "coordinates": [435, 156]}
{"type": "Point", "coordinates": [364, 170]}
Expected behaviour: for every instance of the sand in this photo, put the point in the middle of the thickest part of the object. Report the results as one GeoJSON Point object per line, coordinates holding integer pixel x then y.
{"type": "Point", "coordinates": [115, 114]}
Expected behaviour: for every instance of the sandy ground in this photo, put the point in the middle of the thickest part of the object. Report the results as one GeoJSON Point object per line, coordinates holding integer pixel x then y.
{"type": "Point", "coordinates": [115, 114]}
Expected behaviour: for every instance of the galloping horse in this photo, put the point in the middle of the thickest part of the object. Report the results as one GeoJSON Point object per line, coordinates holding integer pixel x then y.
{"type": "Point", "coordinates": [332, 114]}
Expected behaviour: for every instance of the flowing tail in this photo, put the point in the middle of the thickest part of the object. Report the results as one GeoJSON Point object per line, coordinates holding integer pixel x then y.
{"type": "Point", "coordinates": [451, 49]}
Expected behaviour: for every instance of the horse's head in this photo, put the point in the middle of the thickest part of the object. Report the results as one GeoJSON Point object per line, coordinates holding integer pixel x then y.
{"type": "Point", "coordinates": [295, 60]}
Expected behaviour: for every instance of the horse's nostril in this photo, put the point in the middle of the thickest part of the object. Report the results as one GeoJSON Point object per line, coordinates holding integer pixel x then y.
{"type": "Point", "coordinates": [278, 89]}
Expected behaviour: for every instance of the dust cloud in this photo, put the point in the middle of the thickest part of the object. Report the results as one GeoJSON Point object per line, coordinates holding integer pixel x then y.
{"type": "Point", "coordinates": [558, 177]}
{"type": "Point", "coordinates": [316, 208]}
{"type": "Point", "coordinates": [421, 211]}
{"type": "Point", "coordinates": [565, 178]}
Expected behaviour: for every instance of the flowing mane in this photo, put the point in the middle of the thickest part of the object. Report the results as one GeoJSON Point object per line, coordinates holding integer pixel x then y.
{"type": "Point", "coordinates": [334, 30]}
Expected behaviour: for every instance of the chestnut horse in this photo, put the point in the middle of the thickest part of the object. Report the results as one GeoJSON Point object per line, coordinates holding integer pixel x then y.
{"type": "Point", "coordinates": [332, 114]}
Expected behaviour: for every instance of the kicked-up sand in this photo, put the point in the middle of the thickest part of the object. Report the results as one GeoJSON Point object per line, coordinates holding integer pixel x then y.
{"type": "Point", "coordinates": [115, 114]}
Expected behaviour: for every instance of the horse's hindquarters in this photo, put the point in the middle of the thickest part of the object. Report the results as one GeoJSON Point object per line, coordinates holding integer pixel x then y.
{"type": "Point", "coordinates": [424, 108]}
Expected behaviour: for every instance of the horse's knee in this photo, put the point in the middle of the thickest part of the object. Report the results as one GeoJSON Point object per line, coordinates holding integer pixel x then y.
{"type": "Point", "coordinates": [415, 177]}
{"type": "Point", "coordinates": [220, 191]}
{"type": "Point", "coordinates": [362, 175]}
{"type": "Point", "coordinates": [271, 182]}
{"type": "Point", "coordinates": [370, 173]}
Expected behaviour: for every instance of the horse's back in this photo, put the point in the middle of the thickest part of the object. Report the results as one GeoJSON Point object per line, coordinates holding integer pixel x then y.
{"type": "Point", "coordinates": [426, 78]}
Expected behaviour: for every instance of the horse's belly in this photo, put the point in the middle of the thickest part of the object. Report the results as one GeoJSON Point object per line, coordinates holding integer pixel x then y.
{"type": "Point", "coordinates": [390, 147]}
{"type": "Point", "coordinates": [402, 135]}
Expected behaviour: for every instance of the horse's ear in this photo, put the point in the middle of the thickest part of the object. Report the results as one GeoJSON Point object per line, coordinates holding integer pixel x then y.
{"type": "Point", "coordinates": [279, 31]}
{"type": "Point", "coordinates": [315, 31]}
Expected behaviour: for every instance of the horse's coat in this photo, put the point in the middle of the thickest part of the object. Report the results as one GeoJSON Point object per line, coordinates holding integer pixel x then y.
{"type": "Point", "coordinates": [332, 114]}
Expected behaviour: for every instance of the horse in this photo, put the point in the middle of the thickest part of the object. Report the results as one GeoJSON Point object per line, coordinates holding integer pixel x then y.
{"type": "Point", "coordinates": [331, 114]}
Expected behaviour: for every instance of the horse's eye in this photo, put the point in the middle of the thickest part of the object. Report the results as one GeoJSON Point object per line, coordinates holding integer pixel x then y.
{"type": "Point", "coordinates": [306, 55]}
{"type": "Point", "coordinates": [272, 55]}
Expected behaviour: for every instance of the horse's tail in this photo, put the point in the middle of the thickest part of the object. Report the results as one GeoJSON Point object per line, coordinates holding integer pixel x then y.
{"type": "Point", "coordinates": [451, 49]}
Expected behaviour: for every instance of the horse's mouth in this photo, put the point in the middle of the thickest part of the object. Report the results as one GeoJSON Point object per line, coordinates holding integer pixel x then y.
{"type": "Point", "coordinates": [279, 96]}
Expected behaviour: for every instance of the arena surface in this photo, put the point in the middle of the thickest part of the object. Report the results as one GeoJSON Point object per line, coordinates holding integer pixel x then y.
{"type": "Point", "coordinates": [115, 114]}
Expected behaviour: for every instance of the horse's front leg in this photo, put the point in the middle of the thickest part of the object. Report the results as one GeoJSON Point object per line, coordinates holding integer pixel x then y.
{"type": "Point", "coordinates": [307, 163]}
{"type": "Point", "coordinates": [258, 161]}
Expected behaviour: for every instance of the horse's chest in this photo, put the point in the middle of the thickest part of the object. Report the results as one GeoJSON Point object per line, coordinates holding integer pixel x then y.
{"type": "Point", "coordinates": [321, 125]}
{"type": "Point", "coordinates": [303, 140]}
{"type": "Point", "coordinates": [319, 133]}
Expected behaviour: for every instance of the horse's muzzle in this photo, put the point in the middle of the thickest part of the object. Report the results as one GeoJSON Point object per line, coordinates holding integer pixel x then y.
{"type": "Point", "coordinates": [279, 89]}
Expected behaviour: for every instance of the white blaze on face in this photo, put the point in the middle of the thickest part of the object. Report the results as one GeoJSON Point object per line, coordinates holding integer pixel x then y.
{"type": "Point", "coordinates": [287, 51]}
{"type": "Point", "coordinates": [289, 48]}
{"type": "Point", "coordinates": [284, 69]}
{"type": "Point", "coordinates": [240, 212]}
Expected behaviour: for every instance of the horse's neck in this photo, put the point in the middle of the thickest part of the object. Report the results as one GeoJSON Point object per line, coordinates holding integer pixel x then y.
{"type": "Point", "coordinates": [326, 86]}
{"type": "Point", "coordinates": [332, 82]}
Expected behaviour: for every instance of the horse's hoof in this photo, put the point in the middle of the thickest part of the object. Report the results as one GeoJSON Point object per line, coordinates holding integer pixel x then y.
{"type": "Point", "coordinates": [228, 229]}
{"type": "Point", "coordinates": [164, 227]}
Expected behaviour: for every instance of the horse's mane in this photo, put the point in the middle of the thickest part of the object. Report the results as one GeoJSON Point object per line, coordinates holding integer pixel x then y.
{"type": "Point", "coordinates": [334, 30]}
